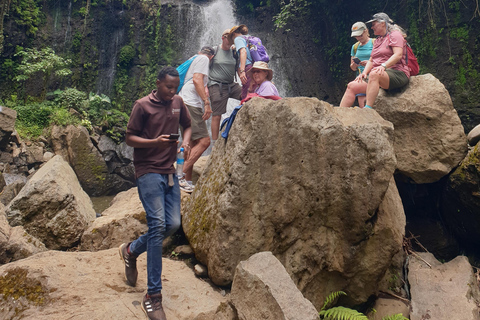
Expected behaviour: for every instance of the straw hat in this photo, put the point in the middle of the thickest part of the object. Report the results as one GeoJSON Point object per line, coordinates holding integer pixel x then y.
{"type": "Point", "coordinates": [262, 66]}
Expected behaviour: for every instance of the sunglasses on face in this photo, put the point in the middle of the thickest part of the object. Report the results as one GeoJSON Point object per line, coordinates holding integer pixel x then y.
{"type": "Point", "coordinates": [257, 71]}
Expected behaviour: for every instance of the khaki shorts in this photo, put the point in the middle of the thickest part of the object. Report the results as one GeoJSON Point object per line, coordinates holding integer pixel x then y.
{"type": "Point", "coordinates": [199, 126]}
{"type": "Point", "coordinates": [397, 78]}
{"type": "Point", "coordinates": [219, 94]}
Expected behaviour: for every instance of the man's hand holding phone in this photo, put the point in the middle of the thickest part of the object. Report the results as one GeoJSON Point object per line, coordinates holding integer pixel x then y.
{"type": "Point", "coordinates": [356, 60]}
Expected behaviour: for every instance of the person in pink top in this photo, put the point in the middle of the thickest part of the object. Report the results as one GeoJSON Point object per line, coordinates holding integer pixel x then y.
{"type": "Point", "coordinates": [387, 67]}
{"type": "Point", "coordinates": [261, 76]}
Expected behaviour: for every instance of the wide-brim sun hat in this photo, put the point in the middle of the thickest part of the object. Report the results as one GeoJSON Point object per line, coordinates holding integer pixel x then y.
{"type": "Point", "coordinates": [358, 28]}
{"type": "Point", "coordinates": [261, 65]}
{"type": "Point", "coordinates": [380, 17]}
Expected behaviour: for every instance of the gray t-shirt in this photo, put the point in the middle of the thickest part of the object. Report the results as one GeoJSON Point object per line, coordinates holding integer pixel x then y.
{"type": "Point", "coordinates": [222, 69]}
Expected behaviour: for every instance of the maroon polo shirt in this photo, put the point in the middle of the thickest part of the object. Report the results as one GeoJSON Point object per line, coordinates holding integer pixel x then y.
{"type": "Point", "coordinates": [149, 119]}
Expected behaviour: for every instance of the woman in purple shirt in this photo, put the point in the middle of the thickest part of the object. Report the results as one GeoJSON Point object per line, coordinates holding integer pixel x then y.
{"type": "Point", "coordinates": [261, 80]}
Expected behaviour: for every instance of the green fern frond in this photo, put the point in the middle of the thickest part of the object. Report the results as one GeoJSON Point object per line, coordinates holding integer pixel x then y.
{"type": "Point", "coordinates": [398, 316]}
{"type": "Point", "coordinates": [331, 298]}
{"type": "Point", "coordinates": [341, 313]}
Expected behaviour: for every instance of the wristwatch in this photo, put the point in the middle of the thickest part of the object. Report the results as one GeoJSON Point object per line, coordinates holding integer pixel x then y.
{"type": "Point", "coordinates": [384, 65]}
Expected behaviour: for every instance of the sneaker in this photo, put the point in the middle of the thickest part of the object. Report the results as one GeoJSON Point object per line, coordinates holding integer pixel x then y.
{"type": "Point", "coordinates": [152, 306]}
{"type": "Point", "coordinates": [130, 260]}
{"type": "Point", "coordinates": [185, 186]}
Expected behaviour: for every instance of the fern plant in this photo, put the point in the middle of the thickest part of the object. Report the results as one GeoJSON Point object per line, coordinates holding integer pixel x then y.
{"type": "Point", "coordinates": [341, 313]}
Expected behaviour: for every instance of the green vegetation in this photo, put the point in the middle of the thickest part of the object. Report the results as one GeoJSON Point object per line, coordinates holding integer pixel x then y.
{"type": "Point", "coordinates": [44, 62]}
{"type": "Point", "coordinates": [328, 312]}
{"type": "Point", "coordinates": [15, 284]}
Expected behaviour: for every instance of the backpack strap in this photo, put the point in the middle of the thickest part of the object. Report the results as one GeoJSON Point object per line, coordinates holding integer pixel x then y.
{"type": "Point", "coordinates": [237, 61]}
{"type": "Point", "coordinates": [355, 47]}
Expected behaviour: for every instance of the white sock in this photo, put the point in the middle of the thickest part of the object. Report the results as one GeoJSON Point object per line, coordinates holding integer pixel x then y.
{"type": "Point", "coordinates": [190, 183]}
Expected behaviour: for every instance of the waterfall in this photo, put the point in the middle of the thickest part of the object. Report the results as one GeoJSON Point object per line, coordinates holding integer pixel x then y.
{"type": "Point", "coordinates": [108, 62]}
{"type": "Point", "coordinates": [218, 16]}
{"type": "Point", "coordinates": [68, 29]}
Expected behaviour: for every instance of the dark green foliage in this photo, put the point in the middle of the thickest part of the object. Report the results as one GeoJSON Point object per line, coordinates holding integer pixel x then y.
{"type": "Point", "coordinates": [332, 298]}
{"type": "Point", "coordinates": [341, 313]}
{"type": "Point", "coordinates": [72, 98]}
{"type": "Point", "coordinates": [127, 53]}
{"type": "Point", "coordinates": [26, 13]}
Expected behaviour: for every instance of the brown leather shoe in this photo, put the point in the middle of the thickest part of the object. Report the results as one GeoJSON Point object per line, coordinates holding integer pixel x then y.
{"type": "Point", "coordinates": [152, 306]}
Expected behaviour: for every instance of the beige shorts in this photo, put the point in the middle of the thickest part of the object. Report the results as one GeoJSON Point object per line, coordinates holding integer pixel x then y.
{"type": "Point", "coordinates": [219, 94]}
{"type": "Point", "coordinates": [199, 126]}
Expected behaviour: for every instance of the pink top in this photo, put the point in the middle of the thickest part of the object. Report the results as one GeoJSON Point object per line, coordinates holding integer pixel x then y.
{"type": "Point", "coordinates": [382, 51]}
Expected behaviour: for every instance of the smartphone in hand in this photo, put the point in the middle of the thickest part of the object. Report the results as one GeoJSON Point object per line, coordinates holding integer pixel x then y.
{"type": "Point", "coordinates": [174, 136]}
{"type": "Point", "coordinates": [356, 60]}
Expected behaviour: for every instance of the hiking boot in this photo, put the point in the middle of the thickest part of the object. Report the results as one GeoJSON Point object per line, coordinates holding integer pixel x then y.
{"type": "Point", "coordinates": [185, 186]}
{"type": "Point", "coordinates": [152, 306]}
{"type": "Point", "coordinates": [130, 260]}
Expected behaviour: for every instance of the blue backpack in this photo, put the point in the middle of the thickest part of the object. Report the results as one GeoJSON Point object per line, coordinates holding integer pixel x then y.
{"type": "Point", "coordinates": [182, 72]}
{"type": "Point", "coordinates": [257, 49]}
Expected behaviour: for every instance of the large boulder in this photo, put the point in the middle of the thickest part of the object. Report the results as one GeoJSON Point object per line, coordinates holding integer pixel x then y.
{"type": "Point", "coordinates": [7, 125]}
{"type": "Point", "coordinates": [429, 138]}
{"type": "Point", "coordinates": [461, 199]}
{"type": "Point", "coordinates": [262, 289]}
{"type": "Point", "coordinates": [442, 291]}
{"type": "Point", "coordinates": [303, 180]}
{"type": "Point", "coordinates": [15, 243]}
{"type": "Point", "coordinates": [123, 221]}
{"type": "Point", "coordinates": [91, 285]}
{"type": "Point", "coordinates": [52, 206]}
{"type": "Point", "coordinates": [75, 145]}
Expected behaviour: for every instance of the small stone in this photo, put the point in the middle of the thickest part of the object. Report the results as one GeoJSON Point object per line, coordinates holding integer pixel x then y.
{"type": "Point", "coordinates": [184, 250]}
{"type": "Point", "coordinates": [200, 271]}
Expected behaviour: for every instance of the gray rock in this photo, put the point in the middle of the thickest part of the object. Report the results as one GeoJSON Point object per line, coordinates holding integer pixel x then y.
{"type": "Point", "coordinates": [429, 137]}
{"type": "Point", "coordinates": [7, 124]}
{"type": "Point", "coordinates": [52, 206]}
{"type": "Point", "coordinates": [262, 289]}
{"type": "Point", "coordinates": [125, 152]}
{"type": "Point", "coordinates": [34, 154]}
{"type": "Point", "coordinates": [75, 145]}
{"type": "Point", "coordinates": [123, 221]}
{"type": "Point", "coordinates": [225, 311]}
{"type": "Point", "coordinates": [461, 199]}
{"type": "Point", "coordinates": [90, 285]}
{"type": "Point", "coordinates": [308, 190]}
{"type": "Point", "coordinates": [47, 156]}
{"type": "Point", "coordinates": [16, 243]}
{"type": "Point", "coordinates": [443, 291]}
{"type": "Point", "coordinates": [474, 136]}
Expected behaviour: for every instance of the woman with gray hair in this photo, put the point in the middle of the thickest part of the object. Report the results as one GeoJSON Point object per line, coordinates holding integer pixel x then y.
{"type": "Point", "coordinates": [387, 67]}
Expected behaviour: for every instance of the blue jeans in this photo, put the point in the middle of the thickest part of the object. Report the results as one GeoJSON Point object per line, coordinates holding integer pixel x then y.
{"type": "Point", "coordinates": [162, 206]}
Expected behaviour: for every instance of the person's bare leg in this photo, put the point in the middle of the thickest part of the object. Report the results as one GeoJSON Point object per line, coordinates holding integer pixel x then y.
{"type": "Point", "coordinates": [198, 147]}
{"type": "Point", "coordinates": [215, 126]}
{"type": "Point", "coordinates": [361, 101]}
{"type": "Point", "coordinates": [375, 81]}
{"type": "Point", "coordinates": [353, 88]}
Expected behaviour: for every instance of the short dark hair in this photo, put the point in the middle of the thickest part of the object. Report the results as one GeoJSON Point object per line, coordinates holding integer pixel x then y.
{"type": "Point", "coordinates": [171, 71]}
{"type": "Point", "coordinates": [208, 50]}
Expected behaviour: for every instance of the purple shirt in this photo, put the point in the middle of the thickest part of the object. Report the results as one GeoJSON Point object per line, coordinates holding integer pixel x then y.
{"type": "Point", "coordinates": [266, 88]}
